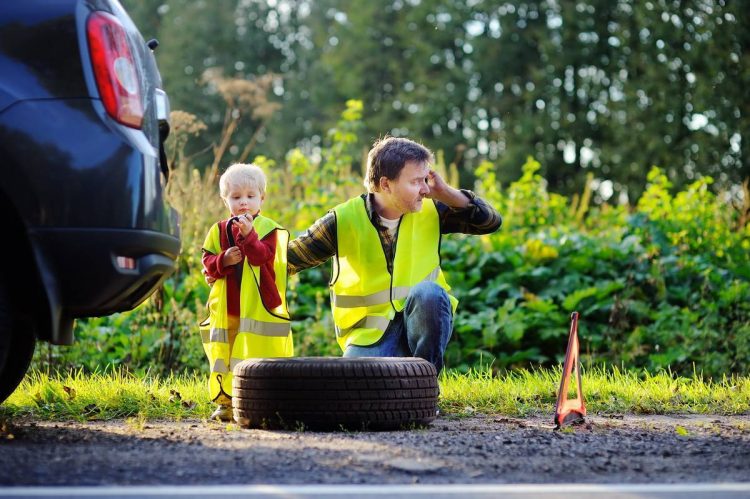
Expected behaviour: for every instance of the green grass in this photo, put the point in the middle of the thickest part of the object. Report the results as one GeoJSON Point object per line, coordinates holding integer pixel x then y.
{"type": "Point", "coordinates": [110, 395]}
{"type": "Point", "coordinates": [606, 391]}
{"type": "Point", "coordinates": [115, 394]}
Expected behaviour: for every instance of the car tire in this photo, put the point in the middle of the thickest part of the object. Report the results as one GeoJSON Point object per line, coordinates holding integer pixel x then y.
{"type": "Point", "coordinates": [331, 393]}
{"type": "Point", "coordinates": [16, 347]}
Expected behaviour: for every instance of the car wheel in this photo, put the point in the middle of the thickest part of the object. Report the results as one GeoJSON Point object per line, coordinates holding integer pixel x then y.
{"type": "Point", "coordinates": [331, 393]}
{"type": "Point", "coordinates": [16, 348]}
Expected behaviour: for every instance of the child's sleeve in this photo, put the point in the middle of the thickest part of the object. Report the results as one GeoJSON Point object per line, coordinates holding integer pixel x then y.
{"type": "Point", "coordinates": [258, 251]}
{"type": "Point", "coordinates": [212, 265]}
{"type": "Point", "coordinates": [213, 255]}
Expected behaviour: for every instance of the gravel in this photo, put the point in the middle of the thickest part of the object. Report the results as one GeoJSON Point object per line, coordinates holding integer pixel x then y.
{"type": "Point", "coordinates": [477, 449]}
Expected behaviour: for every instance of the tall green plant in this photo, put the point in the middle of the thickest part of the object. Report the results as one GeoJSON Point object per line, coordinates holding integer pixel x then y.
{"type": "Point", "coordinates": [660, 285]}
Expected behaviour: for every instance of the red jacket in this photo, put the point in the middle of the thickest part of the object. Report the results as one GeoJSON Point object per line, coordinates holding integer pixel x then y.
{"type": "Point", "coordinates": [259, 252]}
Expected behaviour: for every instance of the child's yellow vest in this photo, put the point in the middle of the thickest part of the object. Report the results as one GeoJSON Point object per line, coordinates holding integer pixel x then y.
{"type": "Point", "coordinates": [261, 333]}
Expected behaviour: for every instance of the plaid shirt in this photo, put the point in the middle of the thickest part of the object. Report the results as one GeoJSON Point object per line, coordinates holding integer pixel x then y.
{"type": "Point", "coordinates": [318, 244]}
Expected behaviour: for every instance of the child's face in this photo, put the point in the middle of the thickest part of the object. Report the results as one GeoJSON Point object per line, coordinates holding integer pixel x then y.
{"type": "Point", "coordinates": [243, 199]}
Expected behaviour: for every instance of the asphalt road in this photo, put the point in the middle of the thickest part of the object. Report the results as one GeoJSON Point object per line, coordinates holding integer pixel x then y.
{"type": "Point", "coordinates": [463, 491]}
{"type": "Point", "coordinates": [491, 455]}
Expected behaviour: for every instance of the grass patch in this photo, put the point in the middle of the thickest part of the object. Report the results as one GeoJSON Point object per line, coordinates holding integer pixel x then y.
{"type": "Point", "coordinates": [113, 394]}
{"type": "Point", "coordinates": [120, 395]}
{"type": "Point", "coordinates": [606, 391]}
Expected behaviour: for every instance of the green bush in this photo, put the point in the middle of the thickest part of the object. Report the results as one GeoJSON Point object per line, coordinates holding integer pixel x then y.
{"type": "Point", "coordinates": [663, 284]}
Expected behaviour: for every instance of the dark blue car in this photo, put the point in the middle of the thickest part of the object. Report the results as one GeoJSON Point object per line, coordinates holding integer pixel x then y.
{"type": "Point", "coordinates": [85, 227]}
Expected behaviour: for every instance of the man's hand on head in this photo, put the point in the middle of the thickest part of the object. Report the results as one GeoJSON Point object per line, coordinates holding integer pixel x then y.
{"type": "Point", "coordinates": [436, 184]}
{"type": "Point", "coordinates": [441, 191]}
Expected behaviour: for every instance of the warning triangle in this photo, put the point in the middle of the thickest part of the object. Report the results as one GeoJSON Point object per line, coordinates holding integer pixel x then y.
{"type": "Point", "coordinates": [573, 410]}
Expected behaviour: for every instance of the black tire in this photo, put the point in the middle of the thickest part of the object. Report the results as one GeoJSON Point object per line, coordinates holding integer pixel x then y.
{"type": "Point", "coordinates": [16, 347]}
{"type": "Point", "coordinates": [331, 393]}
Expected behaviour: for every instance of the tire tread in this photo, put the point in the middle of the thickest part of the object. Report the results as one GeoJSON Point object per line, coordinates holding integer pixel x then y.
{"type": "Point", "coordinates": [379, 393]}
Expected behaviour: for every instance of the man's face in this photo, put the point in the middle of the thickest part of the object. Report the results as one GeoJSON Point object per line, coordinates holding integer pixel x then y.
{"type": "Point", "coordinates": [410, 187]}
{"type": "Point", "coordinates": [243, 199]}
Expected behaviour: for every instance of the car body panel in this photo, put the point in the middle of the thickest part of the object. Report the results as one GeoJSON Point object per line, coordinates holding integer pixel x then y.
{"type": "Point", "coordinates": [78, 189]}
{"type": "Point", "coordinates": [34, 38]}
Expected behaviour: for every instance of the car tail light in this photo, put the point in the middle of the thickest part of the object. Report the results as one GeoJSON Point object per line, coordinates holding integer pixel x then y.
{"type": "Point", "coordinates": [115, 69]}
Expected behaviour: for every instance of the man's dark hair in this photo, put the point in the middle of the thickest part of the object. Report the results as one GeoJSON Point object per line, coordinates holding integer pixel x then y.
{"type": "Point", "coordinates": [388, 157]}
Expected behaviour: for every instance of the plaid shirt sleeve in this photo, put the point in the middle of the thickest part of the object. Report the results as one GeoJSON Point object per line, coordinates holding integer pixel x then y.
{"type": "Point", "coordinates": [477, 218]}
{"type": "Point", "coordinates": [316, 246]}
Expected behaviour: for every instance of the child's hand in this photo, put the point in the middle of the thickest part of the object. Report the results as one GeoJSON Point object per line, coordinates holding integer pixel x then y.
{"type": "Point", "coordinates": [232, 256]}
{"type": "Point", "coordinates": [245, 224]}
{"type": "Point", "coordinates": [209, 280]}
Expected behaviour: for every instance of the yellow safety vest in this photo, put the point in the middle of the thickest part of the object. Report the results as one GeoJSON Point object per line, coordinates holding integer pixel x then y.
{"type": "Point", "coordinates": [364, 295]}
{"type": "Point", "coordinates": [261, 332]}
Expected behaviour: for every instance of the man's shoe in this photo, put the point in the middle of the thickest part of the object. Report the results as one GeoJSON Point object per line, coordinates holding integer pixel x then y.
{"type": "Point", "coordinates": [222, 413]}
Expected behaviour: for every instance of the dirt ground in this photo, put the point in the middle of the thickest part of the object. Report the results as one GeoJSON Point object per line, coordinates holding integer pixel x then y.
{"type": "Point", "coordinates": [479, 449]}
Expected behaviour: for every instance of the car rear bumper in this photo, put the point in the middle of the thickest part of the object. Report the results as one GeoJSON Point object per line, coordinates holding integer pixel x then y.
{"type": "Point", "coordinates": [90, 281]}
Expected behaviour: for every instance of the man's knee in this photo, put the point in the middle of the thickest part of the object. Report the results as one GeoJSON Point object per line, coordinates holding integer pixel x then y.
{"type": "Point", "coordinates": [428, 292]}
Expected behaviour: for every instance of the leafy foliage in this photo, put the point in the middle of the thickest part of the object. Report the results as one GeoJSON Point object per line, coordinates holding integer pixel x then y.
{"type": "Point", "coordinates": [663, 284]}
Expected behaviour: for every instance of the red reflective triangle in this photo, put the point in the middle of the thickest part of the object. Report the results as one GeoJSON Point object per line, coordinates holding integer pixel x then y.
{"type": "Point", "coordinates": [573, 410]}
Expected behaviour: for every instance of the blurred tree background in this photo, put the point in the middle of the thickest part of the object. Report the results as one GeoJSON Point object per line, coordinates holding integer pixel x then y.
{"type": "Point", "coordinates": [601, 86]}
{"type": "Point", "coordinates": [611, 135]}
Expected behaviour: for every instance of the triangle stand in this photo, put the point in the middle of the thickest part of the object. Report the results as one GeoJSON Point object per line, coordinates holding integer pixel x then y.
{"type": "Point", "coordinates": [568, 411]}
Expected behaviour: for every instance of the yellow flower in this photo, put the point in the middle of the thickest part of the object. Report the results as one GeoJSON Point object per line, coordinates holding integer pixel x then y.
{"type": "Point", "coordinates": [536, 250]}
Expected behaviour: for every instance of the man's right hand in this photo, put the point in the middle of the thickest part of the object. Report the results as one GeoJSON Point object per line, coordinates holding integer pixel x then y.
{"type": "Point", "coordinates": [441, 191]}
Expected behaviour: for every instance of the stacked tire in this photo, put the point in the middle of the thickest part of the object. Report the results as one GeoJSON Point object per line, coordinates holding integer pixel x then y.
{"type": "Point", "coordinates": [335, 393]}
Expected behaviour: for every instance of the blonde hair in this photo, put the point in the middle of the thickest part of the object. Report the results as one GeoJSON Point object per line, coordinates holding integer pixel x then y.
{"type": "Point", "coordinates": [240, 175]}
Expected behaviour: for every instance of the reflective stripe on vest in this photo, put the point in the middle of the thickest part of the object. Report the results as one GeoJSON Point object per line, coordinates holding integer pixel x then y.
{"type": "Point", "coordinates": [364, 295]}
{"type": "Point", "coordinates": [219, 366]}
{"type": "Point", "coordinates": [219, 335]}
{"type": "Point", "coordinates": [247, 326]}
{"type": "Point", "coordinates": [370, 322]}
{"type": "Point", "coordinates": [381, 297]}
{"type": "Point", "coordinates": [265, 328]}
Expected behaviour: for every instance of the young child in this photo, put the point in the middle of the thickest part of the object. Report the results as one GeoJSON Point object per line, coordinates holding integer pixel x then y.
{"type": "Point", "coordinates": [245, 257]}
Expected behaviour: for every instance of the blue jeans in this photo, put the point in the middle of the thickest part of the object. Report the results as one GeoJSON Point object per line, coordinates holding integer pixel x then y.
{"type": "Point", "coordinates": [422, 329]}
